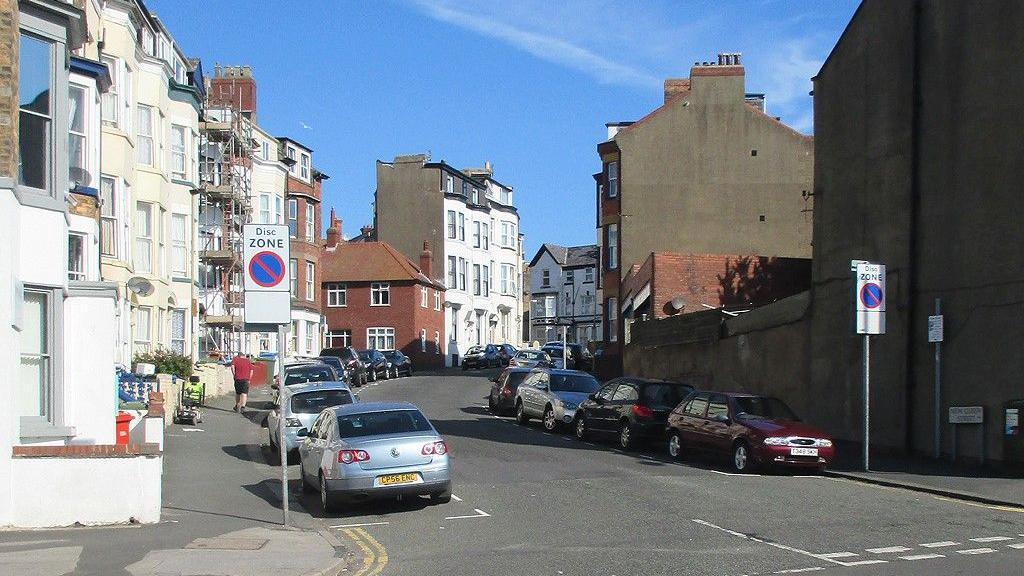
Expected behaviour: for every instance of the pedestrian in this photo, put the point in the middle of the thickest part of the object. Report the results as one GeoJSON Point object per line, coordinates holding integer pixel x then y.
{"type": "Point", "coordinates": [241, 368]}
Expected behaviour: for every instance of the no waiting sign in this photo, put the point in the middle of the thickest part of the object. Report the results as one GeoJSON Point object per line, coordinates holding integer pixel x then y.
{"type": "Point", "coordinates": [265, 266]}
{"type": "Point", "coordinates": [870, 298]}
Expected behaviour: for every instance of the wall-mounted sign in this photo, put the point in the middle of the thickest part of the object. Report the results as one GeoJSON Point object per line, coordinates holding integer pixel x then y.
{"type": "Point", "coordinates": [966, 414]}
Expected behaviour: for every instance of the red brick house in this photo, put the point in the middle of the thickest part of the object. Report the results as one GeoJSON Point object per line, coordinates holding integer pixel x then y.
{"type": "Point", "coordinates": [375, 297]}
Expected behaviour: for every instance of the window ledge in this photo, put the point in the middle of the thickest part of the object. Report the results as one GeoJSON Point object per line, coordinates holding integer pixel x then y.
{"type": "Point", "coordinates": [380, 305]}
{"type": "Point", "coordinates": [46, 430]}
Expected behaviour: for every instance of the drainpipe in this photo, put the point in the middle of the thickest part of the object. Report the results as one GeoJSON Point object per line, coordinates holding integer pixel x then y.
{"type": "Point", "coordinates": [915, 208]}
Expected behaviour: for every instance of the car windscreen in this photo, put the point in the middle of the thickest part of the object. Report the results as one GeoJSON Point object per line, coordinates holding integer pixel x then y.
{"type": "Point", "coordinates": [573, 383]}
{"type": "Point", "coordinates": [664, 395]}
{"type": "Point", "coordinates": [331, 361]}
{"type": "Point", "coordinates": [515, 379]}
{"type": "Point", "coordinates": [365, 356]}
{"type": "Point", "coordinates": [762, 407]}
{"type": "Point", "coordinates": [374, 423]}
{"type": "Point", "coordinates": [308, 374]}
{"type": "Point", "coordinates": [474, 350]}
{"type": "Point", "coordinates": [533, 356]}
{"type": "Point", "coordinates": [315, 402]}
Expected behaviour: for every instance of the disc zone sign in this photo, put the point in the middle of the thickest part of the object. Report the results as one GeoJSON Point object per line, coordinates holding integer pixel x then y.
{"type": "Point", "coordinates": [267, 269]}
{"type": "Point", "coordinates": [267, 274]}
{"type": "Point", "coordinates": [870, 298]}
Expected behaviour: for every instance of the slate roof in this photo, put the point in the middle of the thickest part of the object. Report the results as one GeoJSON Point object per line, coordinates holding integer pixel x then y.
{"type": "Point", "coordinates": [571, 257]}
{"type": "Point", "coordinates": [370, 262]}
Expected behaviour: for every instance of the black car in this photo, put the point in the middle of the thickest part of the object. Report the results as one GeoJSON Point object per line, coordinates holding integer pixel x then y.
{"type": "Point", "coordinates": [505, 353]}
{"type": "Point", "coordinates": [355, 369]}
{"type": "Point", "coordinates": [481, 357]}
{"type": "Point", "coordinates": [578, 357]}
{"type": "Point", "coordinates": [335, 362]}
{"type": "Point", "coordinates": [376, 364]}
{"type": "Point", "coordinates": [632, 408]}
{"type": "Point", "coordinates": [502, 399]}
{"type": "Point", "coordinates": [398, 363]}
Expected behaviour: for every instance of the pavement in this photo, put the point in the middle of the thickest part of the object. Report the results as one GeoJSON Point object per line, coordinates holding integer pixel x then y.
{"type": "Point", "coordinates": [525, 502]}
{"type": "Point", "coordinates": [985, 485]}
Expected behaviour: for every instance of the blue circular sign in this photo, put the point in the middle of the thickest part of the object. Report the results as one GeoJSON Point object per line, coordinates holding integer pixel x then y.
{"type": "Point", "coordinates": [871, 295]}
{"type": "Point", "coordinates": [266, 269]}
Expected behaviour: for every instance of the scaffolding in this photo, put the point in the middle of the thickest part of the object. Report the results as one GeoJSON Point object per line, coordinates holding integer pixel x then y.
{"type": "Point", "coordinates": [225, 173]}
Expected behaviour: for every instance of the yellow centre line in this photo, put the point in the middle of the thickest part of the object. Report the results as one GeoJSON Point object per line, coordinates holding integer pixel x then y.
{"type": "Point", "coordinates": [382, 553]}
{"type": "Point", "coordinates": [981, 505]}
{"type": "Point", "coordinates": [368, 555]}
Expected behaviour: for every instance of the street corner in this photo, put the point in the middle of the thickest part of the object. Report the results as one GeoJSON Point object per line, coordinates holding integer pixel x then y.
{"type": "Point", "coordinates": [365, 555]}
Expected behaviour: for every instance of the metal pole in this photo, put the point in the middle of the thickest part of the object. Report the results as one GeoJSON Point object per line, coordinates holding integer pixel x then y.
{"type": "Point", "coordinates": [867, 401]}
{"type": "Point", "coordinates": [565, 350]}
{"type": "Point", "coordinates": [938, 390]}
{"type": "Point", "coordinates": [281, 343]}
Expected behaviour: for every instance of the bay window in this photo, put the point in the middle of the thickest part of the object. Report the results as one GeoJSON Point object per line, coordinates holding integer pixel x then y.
{"type": "Point", "coordinates": [179, 251]}
{"type": "Point", "coordinates": [310, 283]}
{"type": "Point", "coordinates": [108, 217]}
{"type": "Point", "coordinates": [178, 331]}
{"type": "Point", "coordinates": [78, 157]}
{"type": "Point", "coordinates": [35, 112]}
{"type": "Point", "coordinates": [143, 253]}
{"type": "Point", "coordinates": [144, 136]}
{"type": "Point", "coordinates": [76, 256]}
{"type": "Point", "coordinates": [179, 161]}
{"type": "Point", "coordinates": [310, 221]}
{"type": "Point", "coordinates": [293, 217]}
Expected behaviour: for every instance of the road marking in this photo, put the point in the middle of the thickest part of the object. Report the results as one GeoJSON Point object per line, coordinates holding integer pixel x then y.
{"type": "Point", "coordinates": [734, 474]}
{"type": "Point", "coordinates": [368, 555]}
{"type": "Point", "coordinates": [192, 430]}
{"type": "Point", "coordinates": [456, 498]}
{"type": "Point", "coordinates": [922, 556]}
{"type": "Point", "coordinates": [1018, 509]}
{"type": "Point", "coordinates": [838, 555]}
{"type": "Point", "coordinates": [973, 551]}
{"type": "Point", "coordinates": [1016, 546]}
{"type": "Point", "coordinates": [772, 544]}
{"type": "Point", "coordinates": [888, 550]}
{"type": "Point", "coordinates": [479, 514]}
{"type": "Point", "coordinates": [987, 539]}
{"type": "Point", "coordinates": [382, 553]}
{"type": "Point", "coordinates": [798, 570]}
{"type": "Point", "coordinates": [864, 562]}
{"type": "Point", "coordinates": [940, 544]}
{"type": "Point", "coordinates": [360, 525]}
{"type": "Point", "coordinates": [30, 542]}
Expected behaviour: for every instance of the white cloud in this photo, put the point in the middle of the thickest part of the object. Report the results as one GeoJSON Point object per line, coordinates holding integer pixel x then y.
{"type": "Point", "coordinates": [544, 46]}
{"type": "Point", "coordinates": [787, 79]}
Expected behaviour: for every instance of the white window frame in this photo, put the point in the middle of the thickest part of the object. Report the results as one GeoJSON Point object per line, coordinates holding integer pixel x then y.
{"type": "Point", "coordinates": [503, 278]}
{"type": "Point", "coordinates": [437, 342]}
{"type": "Point", "coordinates": [145, 134]}
{"type": "Point", "coordinates": [293, 272]}
{"type": "Point", "coordinates": [476, 280]}
{"type": "Point", "coordinates": [293, 218]}
{"type": "Point", "coordinates": [545, 278]}
{"type": "Point", "coordinates": [485, 235]}
{"type": "Point", "coordinates": [311, 331]}
{"type": "Point", "coordinates": [452, 272]}
{"type": "Point", "coordinates": [178, 341]}
{"type": "Point", "coordinates": [110, 105]}
{"type": "Point", "coordinates": [588, 275]}
{"type": "Point", "coordinates": [277, 210]}
{"type": "Point", "coordinates": [50, 409]}
{"type": "Point", "coordinates": [179, 152]}
{"type": "Point", "coordinates": [344, 335]}
{"type": "Point", "coordinates": [80, 135]}
{"type": "Point", "coordinates": [612, 246]}
{"type": "Point", "coordinates": [142, 342]}
{"type": "Point", "coordinates": [265, 208]}
{"type": "Point", "coordinates": [179, 246]}
{"type": "Point", "coordinates": [380, 338]}
{"type": "Point", "coordinates": [449, 184]}
{"type": "Point", "coordinates": [337, 295]}
{"type": "Point", "coordinates": [109, 225]}
{"type": "Point", "coordinates": [304, 166]}
{"type": "Point", "coordinates": [451, 224]}
{"type": "Point", "coordinates": [380, 294]}
{"type": "Point", "coordinates": [310, 221]}
{"type": "Point", "coordinates": [310, 281]}
{"type": "Point", "coordinates": [613, 179]}
{"type": "Point", "coordinates": [289, 151]}
{"type": "Point", "coordinates": [423, 340]}
{"type": "Point", "coordinates": [462, 227]}
{"type": "Point", "coordinates": [77, 266]}
{"type": "Point", "coordinates": [463, 272]}
{"type": "Point", "coordinates": [143, 253]}
{"type": "Point", "coordinates": [485, 280]}
{"type": "Point", "coordinates": [476, 234]}
{"type": "Point", "coordinates": [437, 300]}
{"type": "Point", "coordinates": [612, 318]}
{"type": "Point", "coordinates": [424, 297]}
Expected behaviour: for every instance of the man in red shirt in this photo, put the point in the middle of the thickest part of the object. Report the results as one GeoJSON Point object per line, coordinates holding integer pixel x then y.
{"type": "Point", "coordinates": [241, 367]}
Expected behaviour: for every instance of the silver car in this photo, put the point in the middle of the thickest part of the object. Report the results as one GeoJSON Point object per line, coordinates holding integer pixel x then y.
{"type": "Point", "coordinates": [530, 358]}
{"type": "Point", "coordinates": [299, 405]}
{"type": "Point", "coordinates": [296, 373]}
{"type": "Point", "coordinates": [553, 396]}
{"type": "Point", "coordinates": [374, 450]}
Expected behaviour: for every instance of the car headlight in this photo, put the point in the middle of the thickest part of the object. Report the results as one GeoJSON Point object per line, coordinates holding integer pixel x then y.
{"type": "Point", "coordinates": [776, 441]}
{"type": "Point", "coordinates": [824, 443]}
{"type": "Point", "coordinates": [292, 423]}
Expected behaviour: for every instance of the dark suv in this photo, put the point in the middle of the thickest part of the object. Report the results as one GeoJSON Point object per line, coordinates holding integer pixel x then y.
{"type": "Point", "coordinates": [502, 399]}
{"type": "Point", "coordinates": [355, 370]}
{"type": "Point", "coordinates": [578, 356]}
{"type": "Point", "coordinates": [482, 357]}
{"type": "Point", "coordinates": [376, 364]}
{"type": "Point", "coordinates": [632, 408]}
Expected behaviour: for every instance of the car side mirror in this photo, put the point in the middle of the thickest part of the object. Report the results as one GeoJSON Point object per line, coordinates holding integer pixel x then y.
{"type": "Point", "coordinates": [302, 432]}
{"type": "Point", "coordinates": [722, 418]}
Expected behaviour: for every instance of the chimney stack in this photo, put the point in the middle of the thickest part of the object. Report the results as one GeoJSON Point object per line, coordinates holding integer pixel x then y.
{"type": "Point", "coordinates": [367, 231]}
{"type": "Point", "coordinates": [426, 260]}
{"type": "Point", "coordinates": [334, 232]}
{"type": "Point", "coordinates": [676, 86]}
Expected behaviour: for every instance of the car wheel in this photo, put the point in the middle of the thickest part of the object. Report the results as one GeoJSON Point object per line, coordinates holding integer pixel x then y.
{"type": "Point", "coordinates": [741, 457]}
{"type": "Point", "coordinates": [441, 497]}
{"type": "Point", "coordinates": [465, 367]}
{"type": "Point", "coordinates": [550, 423]}
{"type": "Point", "coordinates": [327, 500]}
{"type": "Point", "coordinates": [675, 446]}
{"type": "Point", "coordinates": [581, 428]}
{"type": "Point", "coordinates": [373, 376]}
{"type": "Point", "coordinates": [626, 439]}
{"type": "Point", "coordinates": [521, 416]}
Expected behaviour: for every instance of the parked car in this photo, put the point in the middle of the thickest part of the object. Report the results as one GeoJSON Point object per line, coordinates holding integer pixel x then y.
{"type": "Point", "coordinates": [481, 357]}
{"type": "Point", "coordinates": [505, 353]}
{"type": "Point", "coordinates": [376, 364]}
{"type": "Point", "coordinates": [335, 362]}
{"type": "Point", "coordinates": [502, 398]}
{"type": "Point", "coordinates": [553, 396]}
{"type": "Point", "coordinates": [578, 356]}
{"type": "Point", "coordinates": [635, 409]}
{"type": "Point", "coordinates": [398, 363]}
{"type": "Point", "coordinates": [531, 358]}
{"type": "Point", "coordinates": [355, 370]}
{"type": "Point", "coordinates": [749, 430]}
{"type": "Point", "coordinates": [301, 373]}
{"type": "Point", "coordinates": [299, 405]}
{"type": "Point", "coordinates": [374, 450]}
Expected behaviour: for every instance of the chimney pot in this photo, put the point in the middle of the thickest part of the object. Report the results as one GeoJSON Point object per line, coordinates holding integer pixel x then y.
{"type": "Point", "coordinates": [426, 259]}
{"type": "Point", "coordinates": [722, 59]}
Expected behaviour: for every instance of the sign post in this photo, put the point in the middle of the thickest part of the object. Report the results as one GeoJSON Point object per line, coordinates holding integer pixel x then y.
{"type": "Point", "coordinates": [268, 304]}
{"type": "Point", "coordinates": [870, 312]}
{"type": "Point", "coordinates": [935, 335]}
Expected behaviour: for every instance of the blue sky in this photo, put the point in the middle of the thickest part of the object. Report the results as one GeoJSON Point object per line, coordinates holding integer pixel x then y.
{"type": "Point", "coordinates": [527, 85]}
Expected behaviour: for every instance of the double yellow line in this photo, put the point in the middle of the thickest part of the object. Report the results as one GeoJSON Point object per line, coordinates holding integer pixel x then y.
{"type": "Point", "coordinates": [375, 557]}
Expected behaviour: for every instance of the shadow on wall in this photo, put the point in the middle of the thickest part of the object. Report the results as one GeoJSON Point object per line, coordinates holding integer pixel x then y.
{"type": "Point", "coordinates": [759, 280]}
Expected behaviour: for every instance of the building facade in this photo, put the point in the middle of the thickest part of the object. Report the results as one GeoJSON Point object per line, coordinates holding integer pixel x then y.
{"type": "Point", "coordinates": [563, 293]}
{"type": "Point", "coordinates": [471, 217]}
{"type": "Point", "coordinates": [60, 324]}
{"type": "Point", "coordinates": [708, 172]}
{"type": "Point", "coordinates": [375, 297]}
{"type": "Point", "coordinates": [150, 122]}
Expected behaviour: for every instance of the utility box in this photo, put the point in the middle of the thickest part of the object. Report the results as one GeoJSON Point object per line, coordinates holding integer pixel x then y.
{"type": "Point", "coordinates": [1013, 434]}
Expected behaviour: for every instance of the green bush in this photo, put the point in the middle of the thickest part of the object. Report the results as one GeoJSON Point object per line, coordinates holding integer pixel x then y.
{"type": "Point", "coordinates": [167, 362]}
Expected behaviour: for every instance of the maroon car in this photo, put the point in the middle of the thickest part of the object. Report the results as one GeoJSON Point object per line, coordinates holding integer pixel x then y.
{"type": "Point", "coordinates": [750, 430]}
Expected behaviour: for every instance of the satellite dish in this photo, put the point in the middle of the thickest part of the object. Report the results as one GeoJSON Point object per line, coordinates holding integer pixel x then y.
{"type": "Point", "coordinates": [79, 176]}
{"type": "Point", "coordinates": [140, 286]}
{"type": "Point", "coordinates": [677, 304]}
